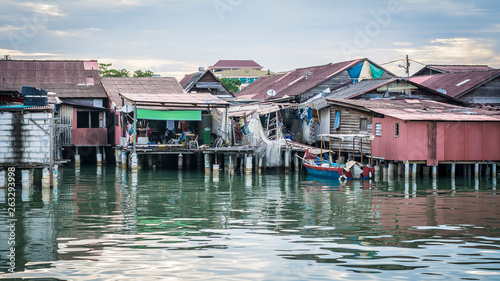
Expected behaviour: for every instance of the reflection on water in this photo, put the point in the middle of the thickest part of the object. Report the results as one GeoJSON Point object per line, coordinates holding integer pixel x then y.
{"type": "Point", "coordinates": [109, 223]}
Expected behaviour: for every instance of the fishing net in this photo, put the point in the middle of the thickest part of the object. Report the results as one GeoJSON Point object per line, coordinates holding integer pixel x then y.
{"type": "Point", "coordinates": [266, 148]}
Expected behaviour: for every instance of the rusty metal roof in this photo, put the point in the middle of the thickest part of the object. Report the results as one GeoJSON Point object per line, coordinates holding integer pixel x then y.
{"type": "Point", "coordinates": [456, 84]}
{"type": "Point", "coordinates": [139, 85]}
{"type": "Point", "coordinates": [420, 110]}
{"type": "Point", "coordinates": [452, 68]}
{"type": "Point", "coordinates": [295, 82]}
{"type": "Point", "coordinates": [68, 79]}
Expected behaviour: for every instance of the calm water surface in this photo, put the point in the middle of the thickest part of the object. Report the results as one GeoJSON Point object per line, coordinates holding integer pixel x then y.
{"type": "Point", "coordinates": [113, 225]}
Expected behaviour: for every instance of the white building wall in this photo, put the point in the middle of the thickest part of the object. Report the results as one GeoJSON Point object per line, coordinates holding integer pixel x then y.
{"type": "Point", "coordinates": [28, 145]}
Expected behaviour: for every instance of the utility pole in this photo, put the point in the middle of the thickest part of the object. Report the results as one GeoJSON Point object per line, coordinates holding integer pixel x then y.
{"type": "Point", "coordinates": [407, 66]}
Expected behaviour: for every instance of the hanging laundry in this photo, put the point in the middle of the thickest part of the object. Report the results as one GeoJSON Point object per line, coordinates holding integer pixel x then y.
{"type": "Point", "coordinates": [170, 125]}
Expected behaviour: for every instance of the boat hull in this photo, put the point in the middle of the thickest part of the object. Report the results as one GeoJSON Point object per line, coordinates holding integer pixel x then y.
{"type": "Point", "coordinates": [336, 172]}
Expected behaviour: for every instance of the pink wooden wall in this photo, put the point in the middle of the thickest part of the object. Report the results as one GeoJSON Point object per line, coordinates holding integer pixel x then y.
{"type": "Point", "coordinates": [88, 136]}
{"type": "Point", "coordinates": [455, 141]}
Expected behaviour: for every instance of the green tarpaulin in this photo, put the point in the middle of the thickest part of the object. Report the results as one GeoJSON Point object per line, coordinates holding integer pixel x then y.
{"type": "Point", "coordinates": [176, 115]}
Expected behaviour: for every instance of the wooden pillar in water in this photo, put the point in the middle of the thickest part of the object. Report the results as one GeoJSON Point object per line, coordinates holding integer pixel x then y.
{"type": "Point", "coordinates": [494, 170]}
{"type": "Point", "coordinates": [296, 161]}
{"type": "Point", "coordinates": [407, 170]}
{"type": "Point", "coordinates": [476, 170]}
{"type": "Point", "coordinates": [453, 170]}
{"type": "Point", "coordinates": [288, 161]}
{"type": "Point", "coordinates": [414, 170]}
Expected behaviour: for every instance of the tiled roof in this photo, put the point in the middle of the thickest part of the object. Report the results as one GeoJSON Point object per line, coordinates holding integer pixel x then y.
{"type": "Point", "coordinates": [293, 83]}
{"type": "Point", "coordinates": [68, 79]}
{"type": "Point", "coordinates": [236, 64]}
{"type": "Point", "coordinates": [139, 85]}
{"type": "Point", "coordinates": [456, 84]}
{"type": "Point", "coordinates": [421, 110]}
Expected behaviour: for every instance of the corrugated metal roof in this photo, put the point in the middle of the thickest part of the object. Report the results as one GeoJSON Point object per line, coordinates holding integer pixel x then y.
{"type": "Point", "coordinates": [359, 88]}
{"type": "Point", "coordinates": [452, 68]}
{"type": "Point", "coordinates": [17, 107]}
{"type": "Point", "coordinates": [424, 110]}
{"type": "Point", "coordinates": [456, 84]}
{"type": "Point", "coordinates": [293, 83]}
{"type": "Point", "coordinates": [175, 99]}
{"type": "Point", "coordinates": [68, 79]}
{"type": "Point", "coordinates": [236, 64]}
{"type": "Point", "coordinates": [139, 85]}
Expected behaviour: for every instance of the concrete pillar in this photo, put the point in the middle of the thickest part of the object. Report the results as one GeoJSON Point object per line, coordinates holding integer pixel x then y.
{"type": "Point", "coordinates": [400, 171]}
{"type": "Point", "coordinates": [385, 172]}
{"type": "Point", "coordinates": [207, 163]}
{"type": "Point", "coordinates": [453, 169]}
{"type": "Point", "coordinates": [55, 173]}
{"type": "Point", "coordinates": [434, 172]}
{"type": "Point", "coordinates": [124, 160]}
{"type": "Point", "coordinates": [77, 160]}
{"type": "Point", "coordinates": [45, 177]}
{"type": "Point", "coordinates": [25, 179]}
{"type": "Point", "coordinates": [230, 165]}
{"type": "Point", "coordinates": [134, 161]}
{"type": "Point", "coordinates": [99, 158]}
{"type": "Point", "coordinates": [407, 170]}
{"type": "Point", "coordinates": [296, 161]}
{"type": "Point", "coordinates": [391, 170]}
{"type": "Point", "coordinates": [494, 170]}
{"type": "Point", "coordinates": [248, 164]}
{"type": "Point", "coordinates": [180, 161]}
{"type": "Point", "coordinates": [377, 172]}
{"type": "Point", "coordinates": [476, 170]}
{"type": "Point", "coordinates": [414, 170]}
{"type": "Point", "coordinates": [3, 180]}
{"type": "Point", "coordinates": [288, 162]}
{"type": "Point", "coordinates": [118, 157]}
{"type": "Point", "coordinates": [260, 161]}
{"type": "Point", "coordinates": [488, 170]}
{"type": "Point", "coordinates": [216, 169]}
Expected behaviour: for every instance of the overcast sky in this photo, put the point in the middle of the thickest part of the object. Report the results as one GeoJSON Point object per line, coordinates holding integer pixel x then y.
{"type": "Point", "coordinates": [175, 37]}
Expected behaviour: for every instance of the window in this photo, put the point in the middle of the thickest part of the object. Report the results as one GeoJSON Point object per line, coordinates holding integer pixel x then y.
{"type": "Point", "coordinates": [362, 124]}
{"type": "Point", "coordinates": [378, 129]}
{"type": "Point", "coordinates": [396, 130]}
{"type": "Point", "coordinates": [86, 119]}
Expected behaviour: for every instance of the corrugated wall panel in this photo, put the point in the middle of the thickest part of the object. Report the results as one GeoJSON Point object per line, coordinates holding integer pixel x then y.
{"type": "Point", "coordinates": [473, 141]}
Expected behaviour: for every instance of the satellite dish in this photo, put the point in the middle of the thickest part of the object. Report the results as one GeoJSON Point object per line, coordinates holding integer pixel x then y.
{"type": "Point", "coordinates": [271, 93]}
{"type": "Point", "coordinates": [127, 108]}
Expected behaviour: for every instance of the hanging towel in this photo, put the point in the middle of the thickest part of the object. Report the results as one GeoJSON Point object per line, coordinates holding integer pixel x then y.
{"type": "Point", "coordinates": [170, 125]}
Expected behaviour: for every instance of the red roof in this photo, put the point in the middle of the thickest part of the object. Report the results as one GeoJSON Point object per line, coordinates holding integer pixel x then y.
{"type": "Point", "coordinates": [68, 79]}
{"type": "Point", "coordinates": [421, 110]}
{"type": "Point", "coordinates": [236, 64]}
{"type": "Point", "coordinates": [293, 83]}
{"type": "Point", "coordinates": [456, 84]}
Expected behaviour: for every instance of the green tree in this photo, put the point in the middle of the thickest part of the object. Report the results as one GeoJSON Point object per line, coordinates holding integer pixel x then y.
{"type": "Point", "coordinates": [232, 85]}
{"type": "Point", "coordinates": [105, 71]}
{"type": "Point", "coordinates": [140, 73]}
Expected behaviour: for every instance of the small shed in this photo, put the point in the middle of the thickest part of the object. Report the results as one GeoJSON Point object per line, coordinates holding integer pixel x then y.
{"type": "Point", "coordinates": [424, 131]}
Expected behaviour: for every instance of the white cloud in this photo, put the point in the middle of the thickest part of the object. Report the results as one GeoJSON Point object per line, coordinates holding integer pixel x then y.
{"type": "Point", "coordinates": [9, 28]}
{"type": "Point", "coordinates": [402, 43]}
{"type": "Point", "coordinates": [454, 51]}
{"type": "Point", "coordinates": [44, 8]}
{"type": "Point", "coordinates": [19, 55]}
